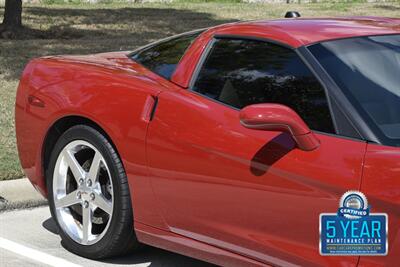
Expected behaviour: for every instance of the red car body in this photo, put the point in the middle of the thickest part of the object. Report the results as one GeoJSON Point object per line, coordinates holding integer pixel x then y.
{"type": "Point", "coordinates": [201, 184]}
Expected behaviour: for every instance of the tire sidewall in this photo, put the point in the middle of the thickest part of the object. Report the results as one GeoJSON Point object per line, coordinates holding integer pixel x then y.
{"type": "Point", "coordinates": [95, 138]}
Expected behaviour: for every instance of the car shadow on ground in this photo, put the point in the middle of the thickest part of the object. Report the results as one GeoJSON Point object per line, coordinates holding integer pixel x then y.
{"type": "Point", "coordinates": [146, 255]}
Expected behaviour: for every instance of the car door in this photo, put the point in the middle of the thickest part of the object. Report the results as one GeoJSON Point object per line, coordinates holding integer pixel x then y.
{"type": "Point", "coordinates": [381, 186]}
{"type": "Point", "coordinates": [249, 191]}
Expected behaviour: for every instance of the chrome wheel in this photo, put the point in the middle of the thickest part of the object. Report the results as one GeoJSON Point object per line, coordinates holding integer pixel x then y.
{"type": "Point", "coordinates": [82, 192]}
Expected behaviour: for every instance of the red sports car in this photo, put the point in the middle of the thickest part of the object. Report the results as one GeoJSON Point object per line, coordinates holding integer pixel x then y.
{"type": "Point", "coordinates": [224, 144]}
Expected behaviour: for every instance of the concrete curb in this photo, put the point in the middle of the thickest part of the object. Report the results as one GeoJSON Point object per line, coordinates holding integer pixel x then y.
{"type": "Point", "coordinates": [19, 194]}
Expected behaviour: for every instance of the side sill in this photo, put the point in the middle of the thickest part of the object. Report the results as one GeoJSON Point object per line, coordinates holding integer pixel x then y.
{"type": "Point", "coordinates": [191, 248]}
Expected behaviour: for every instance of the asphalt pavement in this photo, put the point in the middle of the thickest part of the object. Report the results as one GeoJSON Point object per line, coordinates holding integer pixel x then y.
{"type": "Point", "coordinates": [29, 238]}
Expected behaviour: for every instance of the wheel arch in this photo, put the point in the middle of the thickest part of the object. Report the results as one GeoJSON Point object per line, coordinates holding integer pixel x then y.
{"type": "Point", "coordinates": [58, 128]}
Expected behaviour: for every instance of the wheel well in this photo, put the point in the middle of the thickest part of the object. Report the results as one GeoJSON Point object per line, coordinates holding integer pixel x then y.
{"type": "Point", "coordinates": [59, 127]}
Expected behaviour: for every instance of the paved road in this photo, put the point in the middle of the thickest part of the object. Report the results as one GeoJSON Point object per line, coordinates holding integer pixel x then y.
{"type": "Point", "coordinates": [31, 236]}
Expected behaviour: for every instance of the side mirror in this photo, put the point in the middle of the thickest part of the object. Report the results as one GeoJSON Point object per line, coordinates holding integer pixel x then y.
{"type": "Point", "coordinates": [275, 117]}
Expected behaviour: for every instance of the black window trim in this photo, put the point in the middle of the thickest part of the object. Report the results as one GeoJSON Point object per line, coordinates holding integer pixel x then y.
{"type": "Point", "coordinates": [299, 51]}
{"type": "Point", "coordinates": [341, 100]}
{"type": "Point", "coordinates": [331, 93]}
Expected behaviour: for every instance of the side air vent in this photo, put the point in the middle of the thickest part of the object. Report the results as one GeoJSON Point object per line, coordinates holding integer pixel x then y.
{"type": "Point", "coordinates": [292, 14]}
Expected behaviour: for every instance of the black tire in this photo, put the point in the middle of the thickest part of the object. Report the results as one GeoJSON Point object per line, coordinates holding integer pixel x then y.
{"type": "Point", "coordinates": [120, 236]}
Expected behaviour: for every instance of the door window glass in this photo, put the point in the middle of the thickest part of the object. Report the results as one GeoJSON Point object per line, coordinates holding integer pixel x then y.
{"type": "Point", "coordinates": [243, 72]}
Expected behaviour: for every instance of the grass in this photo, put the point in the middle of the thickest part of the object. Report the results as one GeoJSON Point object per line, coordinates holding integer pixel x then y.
{"type": "Point", "coordinates": [78, 28]}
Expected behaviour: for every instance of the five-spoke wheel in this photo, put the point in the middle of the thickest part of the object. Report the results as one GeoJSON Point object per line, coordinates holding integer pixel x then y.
{"type": "Point", "coordinates": [82, 192]}
{"type": "Point", "coordinates": [89, 195]}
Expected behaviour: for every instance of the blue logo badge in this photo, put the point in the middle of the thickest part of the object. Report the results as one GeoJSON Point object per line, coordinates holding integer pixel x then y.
{"type": "Point", "coordinates": [353, 230]}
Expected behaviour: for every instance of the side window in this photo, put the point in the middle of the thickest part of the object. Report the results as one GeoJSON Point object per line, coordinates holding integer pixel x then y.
{"type": "Point", "coordinates": [163, 57]}
{"type": "Point", "coordinates": [244, 72]}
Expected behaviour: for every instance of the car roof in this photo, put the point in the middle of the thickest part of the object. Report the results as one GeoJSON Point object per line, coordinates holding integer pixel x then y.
{"type": "Point", "coordinates": [305, 31]}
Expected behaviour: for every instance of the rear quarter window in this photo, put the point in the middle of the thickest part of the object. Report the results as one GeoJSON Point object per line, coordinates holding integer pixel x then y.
{"type": "Point", "coordinates": [162, 58]}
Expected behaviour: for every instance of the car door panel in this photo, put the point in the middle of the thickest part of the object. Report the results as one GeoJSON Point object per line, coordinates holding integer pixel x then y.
{"type": "Point", "coordinates": [381, 186]}
{"type": "Point", "coordinates": [251, 192]}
